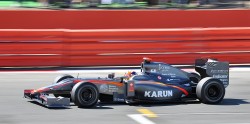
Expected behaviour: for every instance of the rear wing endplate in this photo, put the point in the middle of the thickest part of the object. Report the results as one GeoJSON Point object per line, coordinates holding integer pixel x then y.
{"type": "Point", "coordinates": [213, 68]}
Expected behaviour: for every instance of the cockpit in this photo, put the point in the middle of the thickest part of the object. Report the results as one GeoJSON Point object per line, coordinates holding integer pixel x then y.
{"type": "Point", "coordinates": [161, 72]}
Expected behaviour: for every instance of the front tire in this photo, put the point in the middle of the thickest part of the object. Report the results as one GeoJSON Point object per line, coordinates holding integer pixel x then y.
{"type": "Point", "coordinates": [59, 79]}
{"type": "Point", "coordinates": [210, 90]}
{"type": "Point", "coordinates": [62, 77]}
{"type": "Point", "coordinates": [85, 95]}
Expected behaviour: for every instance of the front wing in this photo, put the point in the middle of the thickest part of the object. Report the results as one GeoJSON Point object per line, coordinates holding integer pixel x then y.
{"type": "Point", "coordinates": [47, 100]}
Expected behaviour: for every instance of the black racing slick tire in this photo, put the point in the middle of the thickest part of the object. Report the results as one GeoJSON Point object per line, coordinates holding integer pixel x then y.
{"type": "Point", "coordinates": [85, 95]}
{"type": "Point", "coordinates": [210, 90]}
{"type": "Point", "coordinates": [62, 77]}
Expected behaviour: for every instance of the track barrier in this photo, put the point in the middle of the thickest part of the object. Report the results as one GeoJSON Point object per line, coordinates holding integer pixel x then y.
{"type": "Point", "coordinates": [94, 47]}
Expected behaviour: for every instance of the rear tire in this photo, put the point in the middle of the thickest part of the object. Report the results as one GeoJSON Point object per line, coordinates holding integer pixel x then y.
{"type": "Point", "coordinates": [85, 94]}
{"type": "Point", "coordinates": [210, 90]}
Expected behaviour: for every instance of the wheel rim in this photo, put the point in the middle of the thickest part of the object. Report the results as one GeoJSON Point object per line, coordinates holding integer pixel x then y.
{"type": "Point", "coordinates": [213, 92]}
{"type": "Point", "coordinates": [87, 94]}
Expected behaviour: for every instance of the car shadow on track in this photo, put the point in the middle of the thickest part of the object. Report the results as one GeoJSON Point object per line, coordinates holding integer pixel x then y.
{"type": "Point", "coordinates": [167, 103]}
{"type": "Point", "coordinates": [52, 108]}
{"type": "Point", "coordinates": [98, 106]}
{"type": "Point", "coordinates": [226, 101]}
{"type": "Point", "coordinates": [232, 101]}
{"type": "Point", "coordinates": [150, 104]}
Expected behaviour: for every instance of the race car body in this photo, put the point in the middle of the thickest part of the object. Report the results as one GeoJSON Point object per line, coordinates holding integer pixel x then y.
{"type": "Point", "coordinates": [158, 82]}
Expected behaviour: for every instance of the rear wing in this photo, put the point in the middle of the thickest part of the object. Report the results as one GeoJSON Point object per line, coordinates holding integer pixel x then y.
{"type": "Point", "coordinates": [213, 68]}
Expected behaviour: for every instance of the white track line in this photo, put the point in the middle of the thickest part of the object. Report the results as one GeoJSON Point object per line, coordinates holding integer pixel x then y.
{"type": "Point", "coordinates": [140, 118]}
{"type": "Point", "coordinates": [240, 69]}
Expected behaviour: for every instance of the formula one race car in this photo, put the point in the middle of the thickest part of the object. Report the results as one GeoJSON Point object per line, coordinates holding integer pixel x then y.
{"type": "Point", "coordinates": [158, 82]}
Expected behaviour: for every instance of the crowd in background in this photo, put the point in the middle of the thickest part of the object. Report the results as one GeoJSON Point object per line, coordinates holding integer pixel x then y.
{"type": "Point", "coordinates": [149, 2]}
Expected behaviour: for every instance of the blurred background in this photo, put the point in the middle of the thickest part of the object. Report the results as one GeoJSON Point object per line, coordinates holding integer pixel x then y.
{"type": "Point", "coordinates": [83, 33]}
{"type": "Point", "coordinates": [68, 36]}
{"type": "Point", "coordinates": [129, 4]}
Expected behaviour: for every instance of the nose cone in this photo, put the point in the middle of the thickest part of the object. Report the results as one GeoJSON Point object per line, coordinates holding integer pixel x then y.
{"type": "Point", "coordinates": [44, 89]}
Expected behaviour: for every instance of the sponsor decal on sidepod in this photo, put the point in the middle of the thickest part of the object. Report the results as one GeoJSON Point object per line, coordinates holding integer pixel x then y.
{"type": "Point", "coordinates": [164, 93]}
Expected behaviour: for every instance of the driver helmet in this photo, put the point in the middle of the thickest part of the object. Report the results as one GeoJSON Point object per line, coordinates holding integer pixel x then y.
{"type": "Point", "coordinates": [130, 74]}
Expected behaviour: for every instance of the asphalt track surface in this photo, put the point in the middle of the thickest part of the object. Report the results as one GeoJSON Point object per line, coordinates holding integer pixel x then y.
{"type": "Point", "coordinates": [235, 108]}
